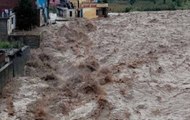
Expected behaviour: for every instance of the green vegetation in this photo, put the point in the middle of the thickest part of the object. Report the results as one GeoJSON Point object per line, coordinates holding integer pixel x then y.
{"type": "Point", "coordinates": [147, 5]}
{"type": "Point", "coordinates": [105, 1]}
{"type": "Point", "coordinates": [7, 45]}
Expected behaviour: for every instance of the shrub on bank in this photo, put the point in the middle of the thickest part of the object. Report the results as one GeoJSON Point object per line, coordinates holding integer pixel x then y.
{"type": "Point", "coordinates": [128, 9]}
{"type": "Point", "coordinates": [7, 45]}
{"type": "Point", "coordinates": [148, 5]}
{"type": "Point", "coordinates": [156, 7]}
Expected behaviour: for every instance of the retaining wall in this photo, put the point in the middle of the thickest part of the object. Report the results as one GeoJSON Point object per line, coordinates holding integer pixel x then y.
{"type": "Point", "coordinates": [6, 74]}
{"type": "Point", "coordinates": [2, 59]}
{"type": "Point", "coordinates": [30, 40]}
{"type": "Point", "coordinates": [15, 67]}
{"type": "Point", "coordinates": [19, 61]}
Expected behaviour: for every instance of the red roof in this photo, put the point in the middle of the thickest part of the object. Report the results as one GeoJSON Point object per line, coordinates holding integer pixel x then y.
{"type": "Point", "coordinates": [8, 4]}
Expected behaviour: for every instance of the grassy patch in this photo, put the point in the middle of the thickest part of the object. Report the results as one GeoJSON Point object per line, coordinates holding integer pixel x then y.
{"type": "Point", "coordinates": [7, 45]}
{"type": "Point", "coordinates": [118, 7]}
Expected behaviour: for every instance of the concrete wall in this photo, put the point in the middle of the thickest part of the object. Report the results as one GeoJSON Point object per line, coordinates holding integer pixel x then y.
{"type": "Point", "coordinates": [11, 24]}
{"type": "Point", "coordinates": [102, 12]}
{"type": "Point", "coordinates": [65, 12]}
{"type": "Point", "coordinates": [29, 40]}
{"type": "Point", "coordinates": [73, 12]}
{"type": "Point", "coordinates": [2, 59]}
{"type": "Point", "coordinates": [15, 67]}
{"type": "Point", "coordinates": [40, 18]}
{"type": "Point", "coordinates": [3, 28]}
{"type": "Point", "coordinates": [6, 74]}
{"type": "Point", "coordinates": [7, 25]}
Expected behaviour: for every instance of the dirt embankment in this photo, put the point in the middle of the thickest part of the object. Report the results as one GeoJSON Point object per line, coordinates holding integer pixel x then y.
{"type": "Point", "coordinates": [126, 67]}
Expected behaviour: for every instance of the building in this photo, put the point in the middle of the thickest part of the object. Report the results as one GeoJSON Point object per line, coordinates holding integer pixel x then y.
{"type": "Point", "coordinates": [7, 23]}
{"type": "Point", "coordinates": [7, 17]}
{"type": "Point", "coordinates": [90, 8]}
{"type": "Point", "coordinates": [82, 8]}
{"type": "Point", "coordinates": [65, 12]}
{"type": "Point", "coordinates": [66, 9]}
{"type": "Point", "coordinates": [42, 7]}
{"type": "Point", "coordinates": [94, 10]}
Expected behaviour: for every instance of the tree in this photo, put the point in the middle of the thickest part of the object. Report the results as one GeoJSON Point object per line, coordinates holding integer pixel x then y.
{"type": "Point", "coordinates": [164, 1]}
{"type": "Point", "coordinates": [132, 1]}
{"type": "Point", "coordinates": [25, 15]}
{"type": "Point", "coordinates": [105, 1]}
{"type": "Point", "coordinates": [179, 3]}
{"type": "Point", "coordinates": [154, 1]}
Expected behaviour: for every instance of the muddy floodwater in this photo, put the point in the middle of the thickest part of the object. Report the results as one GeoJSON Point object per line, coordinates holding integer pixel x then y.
{"type": "Point", "coordinates": [132, 66]}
